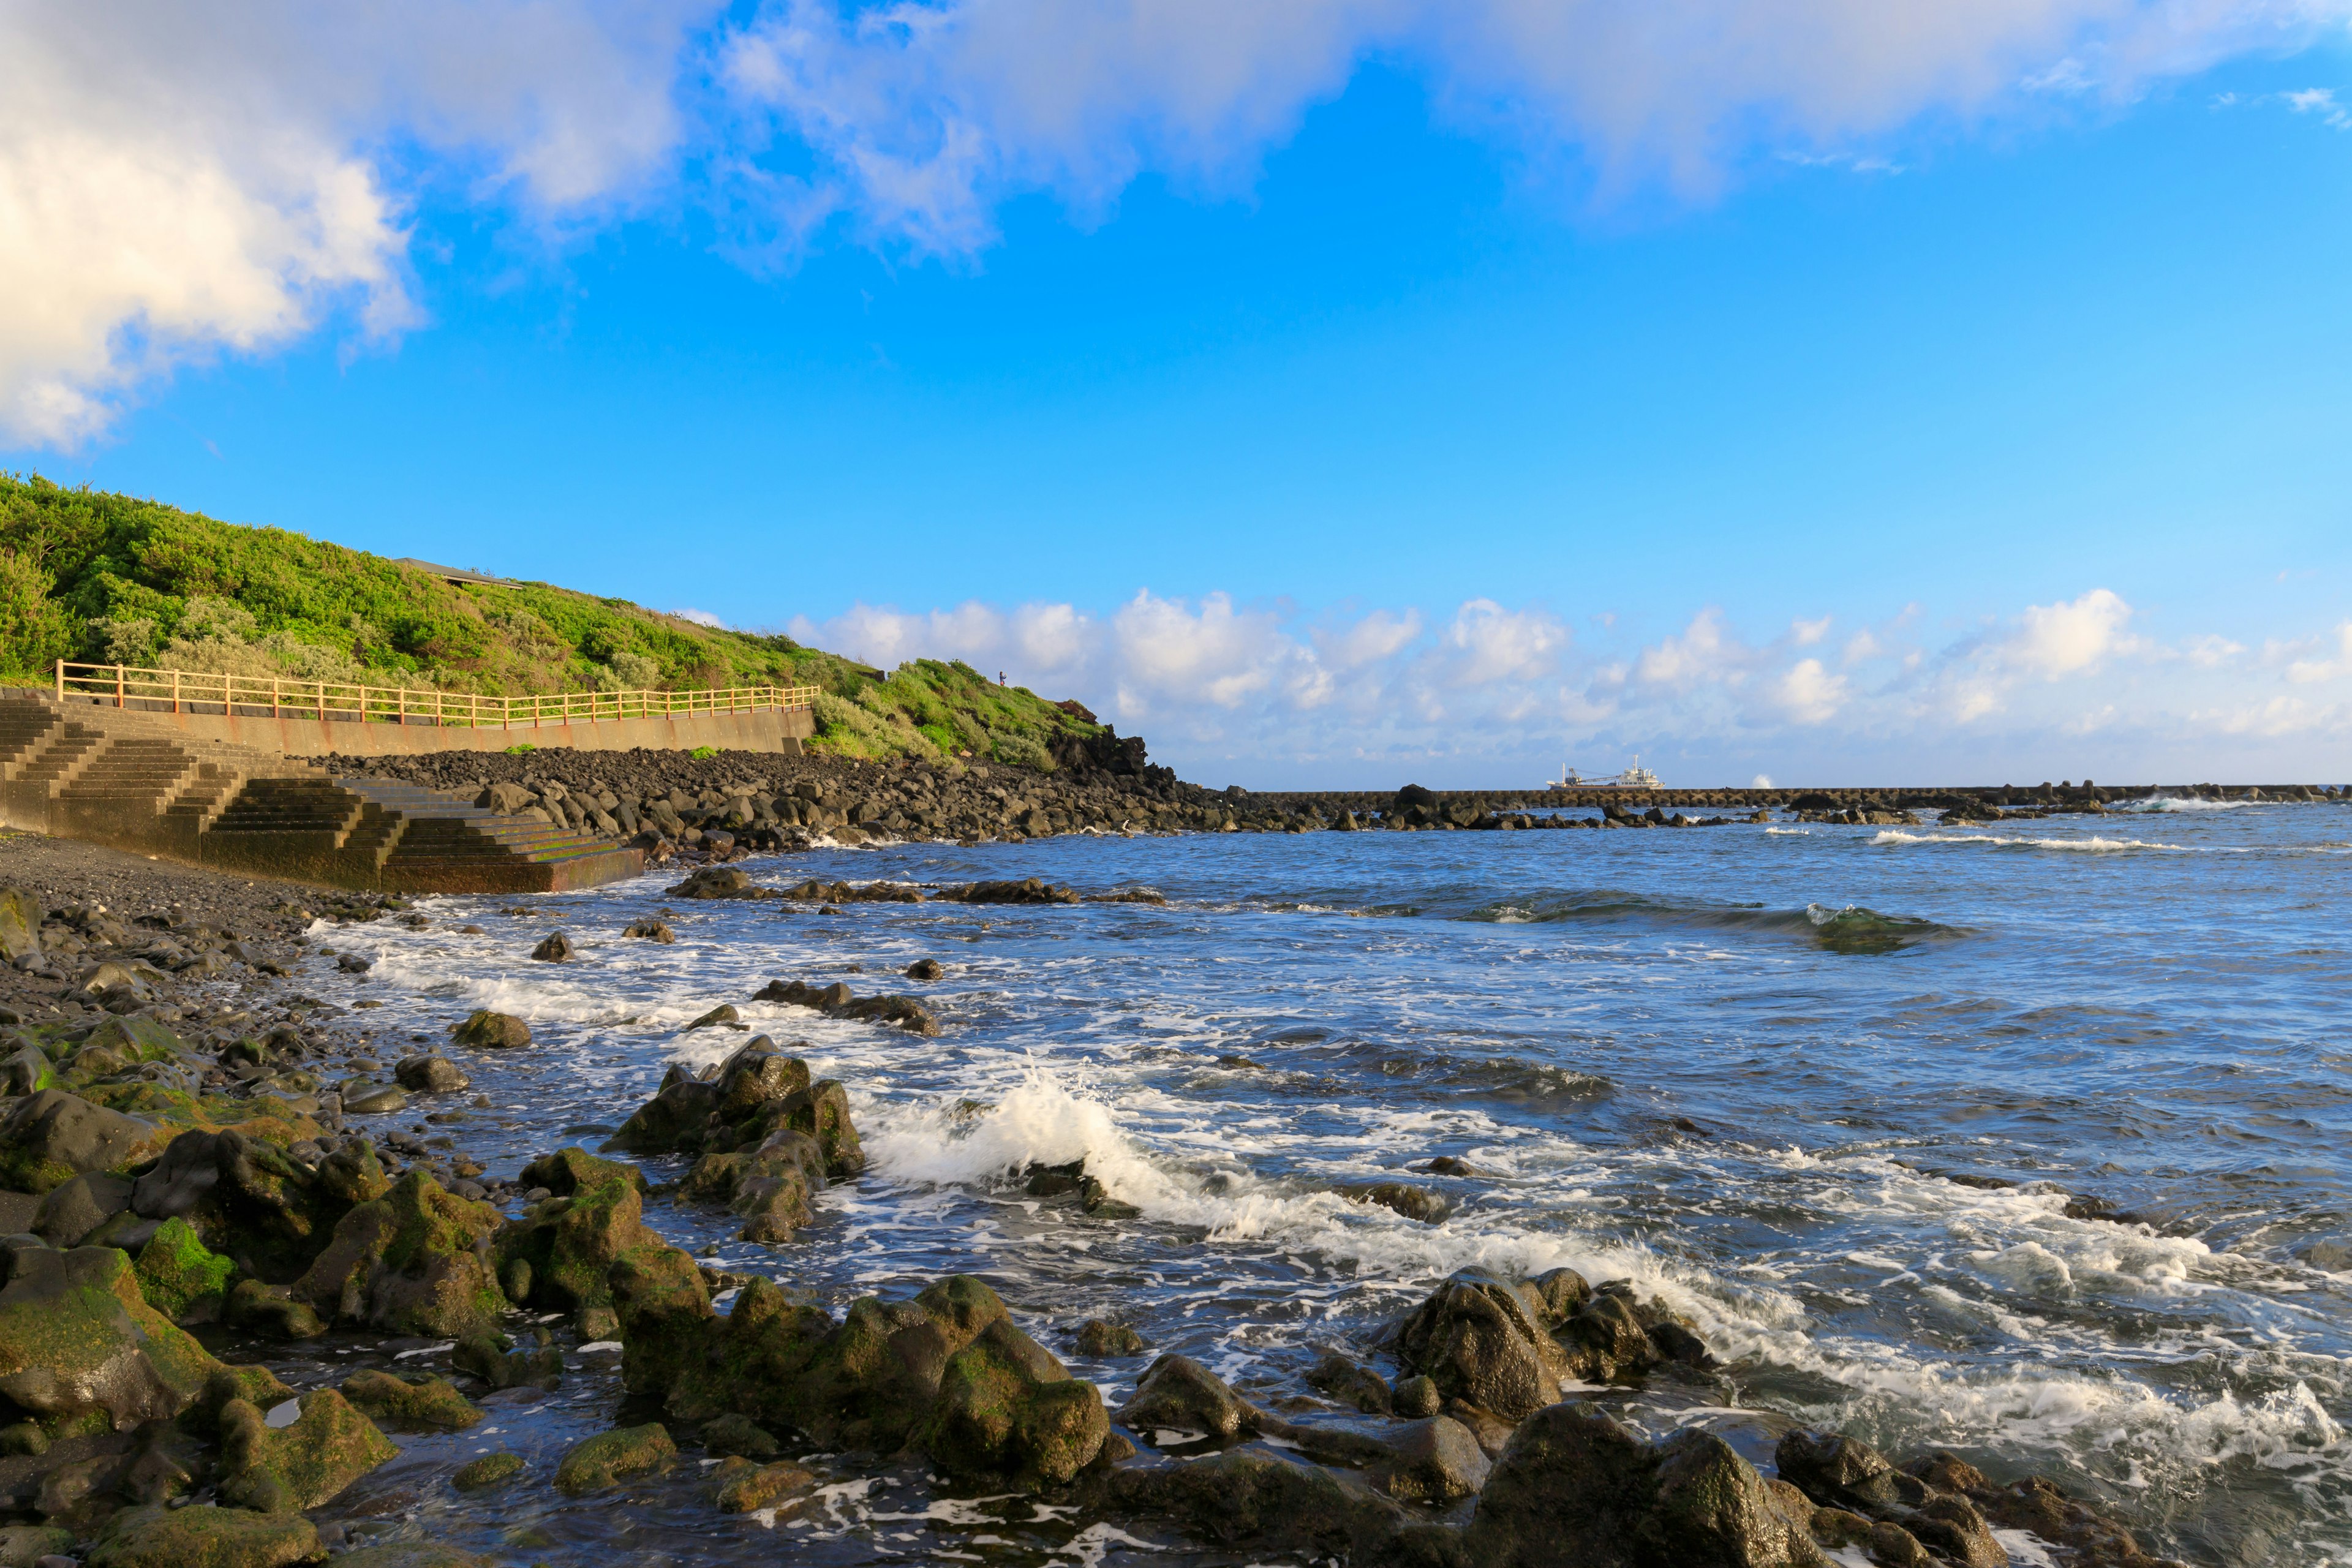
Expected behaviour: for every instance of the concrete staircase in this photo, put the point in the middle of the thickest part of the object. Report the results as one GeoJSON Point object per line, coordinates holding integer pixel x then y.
{"type": "Point", "coordinates": [138, 783]}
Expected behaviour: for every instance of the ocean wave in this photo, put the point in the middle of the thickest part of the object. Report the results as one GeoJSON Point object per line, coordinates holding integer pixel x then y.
{"type": "Point", "coordinates": [2091, 845]}
{"type": "Point", "coordinates": [2168, 803]}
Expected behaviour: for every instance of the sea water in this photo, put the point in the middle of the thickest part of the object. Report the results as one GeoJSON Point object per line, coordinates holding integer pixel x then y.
{"type": "Point", "coordinates": [1831, 1091]}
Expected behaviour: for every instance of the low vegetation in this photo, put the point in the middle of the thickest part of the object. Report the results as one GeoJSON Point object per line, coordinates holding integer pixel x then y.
{"type": "Point", "coordinates": [88, 575]}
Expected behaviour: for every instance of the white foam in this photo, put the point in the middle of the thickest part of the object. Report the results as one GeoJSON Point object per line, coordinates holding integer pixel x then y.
{"type": "Point", "coordinates": [2091, 845]}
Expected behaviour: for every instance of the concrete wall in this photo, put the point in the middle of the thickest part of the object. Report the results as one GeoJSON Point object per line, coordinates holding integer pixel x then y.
{"type": "Point", "coordinates": [294, 736]}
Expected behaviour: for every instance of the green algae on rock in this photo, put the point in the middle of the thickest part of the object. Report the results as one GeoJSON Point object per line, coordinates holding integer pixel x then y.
{"type": "Point", "coordinates": [609, 1456]}
{"type": "Point", "coordinates": [50, 1137]}
{"type": "Point", "coordinates": [77, 1340]}
{"type": "Point", "coordinates": [487, 1471]}
{"type": "Point", "coordinates": [433, 1403]}
{"type": "Point", "coordinates": [740, 1485]}
{"type": "Point", "coordinates": [205, 1537]}
{"type": "Point", "coordinates": [415, 1261]}
{"type": "Point", "coordinates": [569, 1242]}
{"type": "Point", "coordinates": [279, 1469]}
{"type": "Point", "coordinates": [181, 1277]}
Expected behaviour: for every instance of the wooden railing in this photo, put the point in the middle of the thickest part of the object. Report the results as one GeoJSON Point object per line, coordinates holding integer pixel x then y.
{"type": "Point", "coordinates": [254, 695]}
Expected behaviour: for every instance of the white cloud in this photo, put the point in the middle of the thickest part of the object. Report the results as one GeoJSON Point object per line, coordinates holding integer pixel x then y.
{"type": "Point", "coordinates": [1357, 691]}
{"type": "Point", "coordinates": [177, 181]}
{"type": "Point", "coordinates": [1703, 652]}
{"type": "Point", "coordinates": [2056, 640]}
{"type": "Point", "coordinates": [1804, 633]}
{"type": "Point", "coordinates": [2303, 671]}
{"type": "Point", "coordinates": [1810, 694]}
{"type": "Point", "coordinates": [181, 181]}
{"type": "Point", "coordinates": [699, 617]}
{"type": "Point", "coordinates": [2320, 101]}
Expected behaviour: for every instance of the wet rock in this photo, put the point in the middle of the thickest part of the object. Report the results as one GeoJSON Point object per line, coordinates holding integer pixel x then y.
{"type": "Point", "coordinates": [272, 1311]}
{"type": "Point", "coordinates": [554, 948]}
{"type": "Point", "coordinates": [1352, 1383]}
{"type": "Point", "coordinates": [430, 1405]}
{"type": "Point", "coordinates": [74, 1209]}
{"type": "Point", "coordinates": [1951, 1528]}
{"type": "Point", "coordinates": [714, 882]}
{"type": "Point", "coordinates": [925, 969]}
{"type": "Point", "coordinates": [741, 1435]}
{"type": "Point", "coordinates": [739, 1486]}
{"type": "Point", "coordinates": [485, 1030]}
{"type": "Point", "coordinates": [373, 1100]}
{"type": "Point", "coordinates": [51, 1137]}
{"type": "Point", "coordinates": [837, 1001]}
{"type": "Point", "coordinates": [1006, 1409]}
{"type": "Point", "coordinates": [205, 1537]}
{"type": "Point", "coordinates": [492, 1357]}
{"type": "Point", "coordinates": [431, 1073]}
{"type": "Point", "coordinates": [22, 1545]}
{"type": "Point", "coordinates": [1102, 1340]}
{"type": "Point", "coordinates": [1030, 890]}
{"type": "Point", "coordinates": [1712, 1507]}
{"type": "Point", "coordinates": [252, 1202]}
{"type": "Point", "coordinates": [571, 1239]}
{"type": "Point", "coordinates": [611, 1456]}
{"type": "Point", "coordinates": [487, 1471]}
{"type": "Point", "coordinates": [1436, 1460]}
{"type": "Point", "coordinates": [180, 1276]}
{"type": "Point", "coordinates": [1402, 1197]}
{"type": "Point", "coordinates": [1178, 1394]}
{"type": "Point", "coordinates": [1483, 1340]}
{"type": "Point", "coordinates": [1249, 1499]}
{"type": "Point", "coordinates": [78, 1341]}
{"type": "Point", "coordinates": [722, 1013]}
{"type": "Point", "coordinates": [1889, 1545]}
{"type": "Point", "coordinates": [415, 1261]}
{"type": "Point", "coordinates": [770, 1186]}
{"type": "Point", "coordinates": [1843, 1472]}
{"type": "Point", "coordinates": [1417, 1396]}
{"type": "Point", "coordinates": [20, 924]}
{"type": "Point", "coordinates": [650, 931]}
{"type": "Point", "coordinates": [1447, 1165]}
{"type": "Point", "coordinates": [301, 1464]}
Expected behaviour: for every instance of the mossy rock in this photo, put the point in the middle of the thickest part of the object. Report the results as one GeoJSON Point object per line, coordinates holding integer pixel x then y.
{"type": "Point", "coordinates": [78, 1339]}
{"type": "Point", "coordinates": [739, 1486]}
{"type": "Point", "coordinates": [487, 1471]}
{"type": "Point", "coordinates": [205, 1537]}
{"type": "Point", "coordinates": [137, 1039]}
{"type": "Point", "coordinates": [1007, 1408]}
{"type": "Point", "coordinates": [666, 1317]}
{"type": "Point", "coordinates": [487, 1030]}
{"type": "Point", "coordinates": [21, 1545]}
{"type": "Point", "coordinates": [49, 1138]}
{"type": "Point", "coordinates": [739, 1435]}
{"type": "Point", "coordinates": [571, 1241]}
{"type": "Point", "coordinates": [252, 1202]}
{"type": "Point", "coordinates": [415, 1261]}
{"type": "Point", "coordinates": [181, 1277]}
{"type": "Point", "coordinates": [256, 1385]}
{"type": "Point", "coordinates": [610, 1456]}
{"type": "Point", "coordinates": [433, 1403]}
{"type": "Point", "coordinates": [271, 1309]}
{"type": "Point", "coordinates": [299, 1466]}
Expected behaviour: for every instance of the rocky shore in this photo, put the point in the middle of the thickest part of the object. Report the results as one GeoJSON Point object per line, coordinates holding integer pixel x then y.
{"type": "Point", "coordinates": [200, 1174]}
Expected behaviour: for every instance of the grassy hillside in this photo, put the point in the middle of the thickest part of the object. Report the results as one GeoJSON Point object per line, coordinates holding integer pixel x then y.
{"type": "Point", "coordinates": [86, 575]}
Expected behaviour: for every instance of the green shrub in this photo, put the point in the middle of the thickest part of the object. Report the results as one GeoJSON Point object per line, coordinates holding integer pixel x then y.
{"type": "Point", "coordinates": [86, 575]}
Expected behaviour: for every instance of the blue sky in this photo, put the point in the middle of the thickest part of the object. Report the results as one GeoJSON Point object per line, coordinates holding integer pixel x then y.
{"type": "Point", "coordinates": [1330, 402]}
